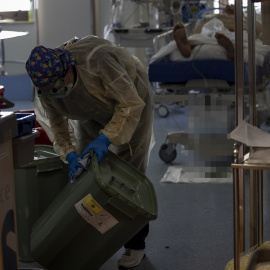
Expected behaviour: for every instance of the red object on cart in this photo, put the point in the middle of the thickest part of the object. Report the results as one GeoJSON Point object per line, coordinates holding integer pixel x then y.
{"type": "Point", "coordinates": [2, 89]}
{"type": "Point", "coordinates": [43, 138]}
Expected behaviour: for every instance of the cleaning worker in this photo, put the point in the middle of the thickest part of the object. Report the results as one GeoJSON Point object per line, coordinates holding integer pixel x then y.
{"type": "Point", "coordinates": [92, 94]}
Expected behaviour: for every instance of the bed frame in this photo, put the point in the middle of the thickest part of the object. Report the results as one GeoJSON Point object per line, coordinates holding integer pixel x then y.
{"type": "Point", "coordinates": [205, 83]}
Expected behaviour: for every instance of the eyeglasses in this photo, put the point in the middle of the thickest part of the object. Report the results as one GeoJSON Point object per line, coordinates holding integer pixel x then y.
{"type": "Point", "coordinates": [59, 90]}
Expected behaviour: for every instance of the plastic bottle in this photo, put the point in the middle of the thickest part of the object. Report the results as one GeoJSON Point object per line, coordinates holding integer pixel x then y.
{"type": "Point", "coordinates": [153, 16]}
{"type": "Point", "coordinates": [185, 13]}
{"type": "Point", "coordinates": [144, 17]}
{"type": "Point", "coordinates": [117, 13]}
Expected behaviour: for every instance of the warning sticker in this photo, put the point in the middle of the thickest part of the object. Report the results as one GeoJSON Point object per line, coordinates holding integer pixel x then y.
{"type": "Point", "coordinates": [95, 215]}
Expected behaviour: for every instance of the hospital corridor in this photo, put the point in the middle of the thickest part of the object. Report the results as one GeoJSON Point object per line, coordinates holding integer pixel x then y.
{"type": "Point", "coordinates": [134, 134]}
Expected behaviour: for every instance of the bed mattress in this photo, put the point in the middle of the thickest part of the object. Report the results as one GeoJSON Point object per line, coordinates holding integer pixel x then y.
{"type": "Point", "coordinates": [179, 72]}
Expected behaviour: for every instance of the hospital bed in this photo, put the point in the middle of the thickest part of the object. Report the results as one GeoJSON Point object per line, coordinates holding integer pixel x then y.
{"type": "Point", "coordinates": [206, 88]}
{"type": "Point", "coordinates": [171, 80]}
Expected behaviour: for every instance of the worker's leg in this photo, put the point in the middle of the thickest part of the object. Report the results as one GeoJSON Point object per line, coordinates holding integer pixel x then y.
{"type": "Point", "coordinates": [138, 241]}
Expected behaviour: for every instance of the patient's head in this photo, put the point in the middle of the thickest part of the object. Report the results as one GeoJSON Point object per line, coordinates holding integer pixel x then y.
{"type": "Point", "coordinates": [229, 9]}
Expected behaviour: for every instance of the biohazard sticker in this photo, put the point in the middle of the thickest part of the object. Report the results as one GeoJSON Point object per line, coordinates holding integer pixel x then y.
{"type": "Point", "coordinates": [95, 215]}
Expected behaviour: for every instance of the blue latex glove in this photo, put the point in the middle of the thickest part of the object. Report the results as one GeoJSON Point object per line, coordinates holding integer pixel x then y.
{"type": "Point", "coordinates": [72, 159]}
{"type": "Point", "coordinates": [100, 146]}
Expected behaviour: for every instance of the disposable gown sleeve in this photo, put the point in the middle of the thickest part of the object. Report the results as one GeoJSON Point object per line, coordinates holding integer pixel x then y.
{"type": "Point", "coordinates": [56, 127]}
{"type": "Point", "coordinates": [129, 106]}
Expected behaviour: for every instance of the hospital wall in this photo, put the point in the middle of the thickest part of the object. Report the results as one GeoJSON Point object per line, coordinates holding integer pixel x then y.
{"type": "Point", "coordinates": [58, 21]}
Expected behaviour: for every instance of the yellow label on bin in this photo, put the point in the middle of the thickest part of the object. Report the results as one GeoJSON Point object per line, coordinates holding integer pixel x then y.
{"type": "Point", "coordinates": [92, 205]}
{"type": "Point", "coordinates": [95, 215]}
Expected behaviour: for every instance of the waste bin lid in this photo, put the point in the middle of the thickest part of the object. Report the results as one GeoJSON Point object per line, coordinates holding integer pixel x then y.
{"type": "Point", "coordinates": [129, 185]}
{"type": "Point", "coordinates": [45, 159]}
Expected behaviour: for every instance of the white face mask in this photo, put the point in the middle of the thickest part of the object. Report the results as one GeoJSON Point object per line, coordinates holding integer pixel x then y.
{"type": "Point", "coordinates": [59, 90]}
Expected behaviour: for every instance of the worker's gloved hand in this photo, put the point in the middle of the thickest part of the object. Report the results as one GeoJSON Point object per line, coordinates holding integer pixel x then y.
{"type": "Point", "coordinates": [72, 159]}
{"type": "Point", "coordinates": [100, 146]}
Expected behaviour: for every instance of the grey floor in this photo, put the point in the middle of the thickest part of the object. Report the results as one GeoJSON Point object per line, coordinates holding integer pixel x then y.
{"type": "Point", "coordinates": [194, 228]}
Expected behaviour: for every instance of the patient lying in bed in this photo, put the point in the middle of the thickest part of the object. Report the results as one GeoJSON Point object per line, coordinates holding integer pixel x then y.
{"type": "Point", "coordinates": [212, 39]}
{"type": "Point", "coordinates": [185, 48]}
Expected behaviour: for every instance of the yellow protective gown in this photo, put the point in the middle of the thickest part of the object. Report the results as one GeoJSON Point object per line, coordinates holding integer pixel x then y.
{"type": "Point", "coordinates": [111, 96]}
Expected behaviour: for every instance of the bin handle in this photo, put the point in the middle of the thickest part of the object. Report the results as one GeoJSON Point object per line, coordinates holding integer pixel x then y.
{"type": "Point", "coordinates": [122, 207]}
{"type": "Point", "coordinates": [122, 185]}
{"type": "Point", "coordinates": [6, 103]}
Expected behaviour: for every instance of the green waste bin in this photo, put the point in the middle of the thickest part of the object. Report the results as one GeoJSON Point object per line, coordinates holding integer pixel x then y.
{"type": "Point", "coordinates": [36, 185]}
{"type": "Point", "coordinates": [91, 219]}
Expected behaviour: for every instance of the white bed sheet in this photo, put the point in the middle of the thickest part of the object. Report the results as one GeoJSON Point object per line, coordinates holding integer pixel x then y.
{"type": "Point", "coordinates": [206, 46]}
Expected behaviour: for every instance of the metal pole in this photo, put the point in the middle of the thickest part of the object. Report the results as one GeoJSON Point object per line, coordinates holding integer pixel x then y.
{"type": "Point", "coordinates": [253, 208]}
{"type": "Point", "coordinates": [252, 117]}
{"type": "Point", "coordinates": [260, 208]}
{"type": "Point", "coordinates": [3, 58]}
{"type": "Point", "coordinates": [95, 4]}
{"type": "Point", "coordinates": [251, 63]}
{"type": "Point", "coordinates": [239, 62]}
{"type": "Point", "coordinates": [236, 219]}
{"type": "Point", "coordinates": [239, 95]}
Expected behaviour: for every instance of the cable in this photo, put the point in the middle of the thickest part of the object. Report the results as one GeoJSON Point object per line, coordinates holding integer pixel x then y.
{"type": "Point", "coordinates": [196, 69]}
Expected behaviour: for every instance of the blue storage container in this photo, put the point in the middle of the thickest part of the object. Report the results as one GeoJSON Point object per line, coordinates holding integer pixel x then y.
{"type": "Point", "coordinates": [26, 122]}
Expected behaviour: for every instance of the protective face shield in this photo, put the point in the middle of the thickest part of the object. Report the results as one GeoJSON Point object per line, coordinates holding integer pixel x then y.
{"type": "Point", "coordinates": [59, 90]}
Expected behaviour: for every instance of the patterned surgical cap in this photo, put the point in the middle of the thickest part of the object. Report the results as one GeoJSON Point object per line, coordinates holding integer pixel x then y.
{"type": "Point", "coordinates": [45, 65]}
